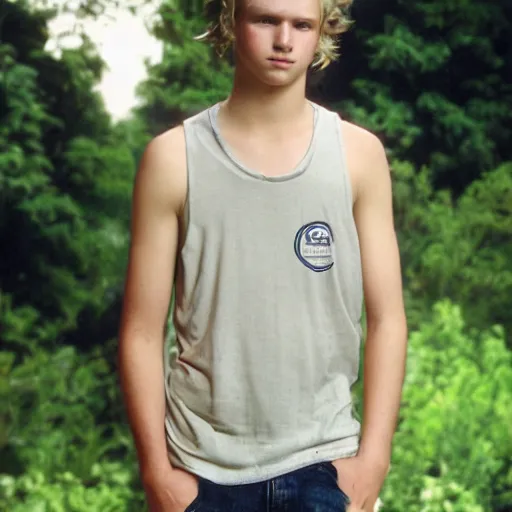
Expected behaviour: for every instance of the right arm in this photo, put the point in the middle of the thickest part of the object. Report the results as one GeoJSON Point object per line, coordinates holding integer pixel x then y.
{"type": "Point", "coordinates": [158, 198]}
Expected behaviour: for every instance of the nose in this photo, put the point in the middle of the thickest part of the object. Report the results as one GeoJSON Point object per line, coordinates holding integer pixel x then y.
{"type": "Point", "coordinates": [283, 38]}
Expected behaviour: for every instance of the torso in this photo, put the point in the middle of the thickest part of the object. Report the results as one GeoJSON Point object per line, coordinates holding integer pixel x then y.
{"type": "Point", "coordinates": [269, 270]}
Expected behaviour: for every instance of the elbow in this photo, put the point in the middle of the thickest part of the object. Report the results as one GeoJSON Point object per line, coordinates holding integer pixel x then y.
{"type": "Point", "coordinates": [389, 326]}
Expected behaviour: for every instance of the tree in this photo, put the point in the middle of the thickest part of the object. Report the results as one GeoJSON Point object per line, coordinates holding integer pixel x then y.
{"type": "Point", "coordinates": [453, 447]}
{"type": "Point", "coordinates": [65, 186]}
{"type": "Point", "coordinates": [190, 77]}
{"type": "Point", "coordinates": [433, 79]}
{"type": "Point", "coordinates": [456, 248]}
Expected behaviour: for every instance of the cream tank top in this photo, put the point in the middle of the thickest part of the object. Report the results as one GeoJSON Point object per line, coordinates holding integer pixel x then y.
{"type": "Point", "coordinates": [268, 303]}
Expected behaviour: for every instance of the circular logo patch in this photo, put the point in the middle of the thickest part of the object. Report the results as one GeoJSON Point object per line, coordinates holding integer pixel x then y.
{"type": "Point", "coordinates": [313, 246]}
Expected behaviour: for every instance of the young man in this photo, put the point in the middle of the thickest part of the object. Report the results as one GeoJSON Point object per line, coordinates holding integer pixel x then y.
{"type": "Point", "coordinates": [271, 217]}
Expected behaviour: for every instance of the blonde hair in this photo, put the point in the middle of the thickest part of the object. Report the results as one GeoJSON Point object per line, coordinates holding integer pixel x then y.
{"type": "Point", "coordinates": [335, 20]}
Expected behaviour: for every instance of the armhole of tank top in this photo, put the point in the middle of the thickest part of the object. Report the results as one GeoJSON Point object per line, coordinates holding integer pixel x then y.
{"type": "Point", "coordinates": [184, 221]}
{"type": "Point", "coordinates": [344, 166]}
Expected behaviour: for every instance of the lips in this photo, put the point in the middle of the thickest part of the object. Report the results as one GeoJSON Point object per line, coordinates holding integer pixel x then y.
{"type": "Point", "coordinates": [284, 61]}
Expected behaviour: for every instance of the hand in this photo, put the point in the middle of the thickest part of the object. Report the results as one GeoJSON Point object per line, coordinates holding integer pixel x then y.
{"type": "Point", "coordinates": [169, 489]}
{"type": "Point", "coordinates": [361, 479]}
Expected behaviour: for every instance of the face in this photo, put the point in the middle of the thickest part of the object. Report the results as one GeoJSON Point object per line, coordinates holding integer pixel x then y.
{"type": "Point", "coordinates": [276, 40]}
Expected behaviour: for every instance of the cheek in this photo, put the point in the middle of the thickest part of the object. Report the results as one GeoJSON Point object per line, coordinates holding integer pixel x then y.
{"type": "Point", "coordinates": [310, 46]}
{"type": "Point", "coordinates": [250, 39]}
{"type": "Point", "coordinates": [253, 40]}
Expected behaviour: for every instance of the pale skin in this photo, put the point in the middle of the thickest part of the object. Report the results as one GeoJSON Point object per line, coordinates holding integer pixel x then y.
{"type": "Point", "coordinates": [268, 108]}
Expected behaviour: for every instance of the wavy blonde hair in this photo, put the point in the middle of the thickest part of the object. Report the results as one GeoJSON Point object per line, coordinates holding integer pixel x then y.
{"type": "Point", "coordinates": [335, 20]}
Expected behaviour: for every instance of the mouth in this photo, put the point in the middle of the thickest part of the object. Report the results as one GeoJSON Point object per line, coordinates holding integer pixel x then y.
{"type": "Point", "coordinates": [280, 63]}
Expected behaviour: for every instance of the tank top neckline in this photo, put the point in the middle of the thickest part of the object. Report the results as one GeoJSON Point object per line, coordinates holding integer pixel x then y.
{"type": "Point", "coordinates": [299, 169]}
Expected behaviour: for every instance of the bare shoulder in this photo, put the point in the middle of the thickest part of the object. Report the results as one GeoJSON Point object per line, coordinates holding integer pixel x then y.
{"type": "Point", "coordinates": [365, 155]}
{"type": "Point", "coordinates": [359, 138]}
{"type": "Point", "coordinates": [162, 171]}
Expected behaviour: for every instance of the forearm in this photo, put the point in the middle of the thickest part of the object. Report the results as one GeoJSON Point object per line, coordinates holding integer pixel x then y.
{"type": "Point", "coordinates": [142, 382]}
{"type": "Point", "coordinates": [384, 370]}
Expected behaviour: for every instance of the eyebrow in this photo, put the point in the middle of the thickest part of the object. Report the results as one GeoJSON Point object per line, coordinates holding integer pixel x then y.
{"type": "Point", "coordinates": [258, 11]}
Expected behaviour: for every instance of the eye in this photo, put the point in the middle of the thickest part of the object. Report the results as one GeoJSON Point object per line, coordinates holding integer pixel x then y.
{"type": "Point", "coordinates": [267, 21]}
{"type": "Point", "coordinates": [303, 25]}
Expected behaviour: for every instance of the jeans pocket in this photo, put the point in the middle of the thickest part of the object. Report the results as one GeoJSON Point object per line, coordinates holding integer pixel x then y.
{"type": "Point", "coordinates": [330, 468]}
{"type": "Point", "coordinates": [194, 506]}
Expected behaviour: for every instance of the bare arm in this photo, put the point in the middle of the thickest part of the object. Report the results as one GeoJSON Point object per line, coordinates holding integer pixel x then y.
{"type": "Point", "coordinates": [158, 196]}
{"type": "Point", "coordinates": [385, 348]}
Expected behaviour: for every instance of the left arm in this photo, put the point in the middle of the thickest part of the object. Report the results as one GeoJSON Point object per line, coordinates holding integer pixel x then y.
{"type": "Point", "coordinates": [386, 342]}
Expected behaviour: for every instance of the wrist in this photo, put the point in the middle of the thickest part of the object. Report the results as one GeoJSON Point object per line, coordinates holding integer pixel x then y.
{"type": "Point", "coordinates": [150, 467]}
{"type": "Point", "coordinates": [380, 456]}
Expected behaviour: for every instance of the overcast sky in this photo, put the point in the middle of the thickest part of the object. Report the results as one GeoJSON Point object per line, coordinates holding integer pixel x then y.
{"type": "Point", "coordinates": [124, 43]}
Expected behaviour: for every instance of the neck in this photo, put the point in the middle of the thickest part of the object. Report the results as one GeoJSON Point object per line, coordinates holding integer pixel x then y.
{"type": "Point", "coordinates": [255, 104]}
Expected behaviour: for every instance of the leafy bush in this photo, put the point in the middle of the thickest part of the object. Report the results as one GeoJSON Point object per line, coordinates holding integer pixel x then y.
{"type": "Point", "coordinates": [453, 446]}
{"type": "Point", "coordinates": [108, 491]}
{"type": "Point", "coordinates": [56, 454]}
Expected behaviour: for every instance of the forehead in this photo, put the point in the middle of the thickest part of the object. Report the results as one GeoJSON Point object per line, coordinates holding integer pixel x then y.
{"type": "Point", "coordinates": [284, 8]}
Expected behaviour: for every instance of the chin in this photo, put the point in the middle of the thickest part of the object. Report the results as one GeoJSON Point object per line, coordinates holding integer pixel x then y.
{"type": "Point", "coordinates": [280, 79]}
{"type": "Point", "coordinates": [282, 83]}
{"type": "Point", "coordinates": [279, 83]}
{"type": "Point", "coordinates": [260, 72]}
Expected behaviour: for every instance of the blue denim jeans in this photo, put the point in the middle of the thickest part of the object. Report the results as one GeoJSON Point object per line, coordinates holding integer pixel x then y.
{"type": "Point", "coordinates": [310, 489]}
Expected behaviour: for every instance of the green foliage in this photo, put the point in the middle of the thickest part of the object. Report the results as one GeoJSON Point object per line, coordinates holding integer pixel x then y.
{"type": "Point", "coordinates": [190, 77]}
{"type": "Point", "coordinates": [109, 490]}
{"type": "Point", "coordinates": [439, 496]}
{"type": "Point", "coordinates": [65, 181]}
{"type": "Point", "coordinates": [56, 453]}
{"type": "Point", "coordinates": [453, 447]}
{"type": "Point", "coordinates": [58, 390]}
{"type": "Point", "coordinates": [460, 249]}
{"type": "Point", "coordinates": [83, 9]}
{"type": "Point", "coordinates": [433, 78]}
